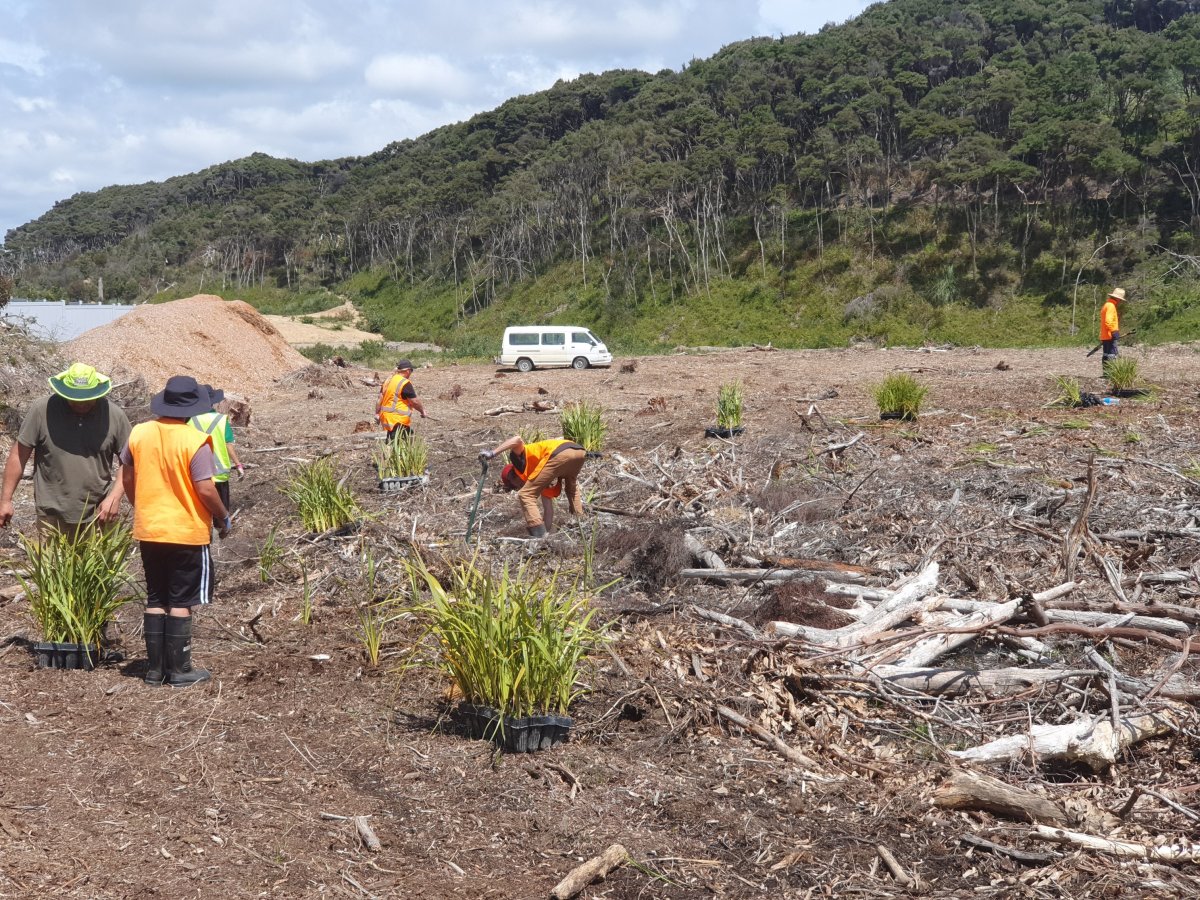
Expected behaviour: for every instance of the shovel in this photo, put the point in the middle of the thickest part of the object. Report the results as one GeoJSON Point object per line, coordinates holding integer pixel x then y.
{"type": "Point", "coordinates": [478, 495]}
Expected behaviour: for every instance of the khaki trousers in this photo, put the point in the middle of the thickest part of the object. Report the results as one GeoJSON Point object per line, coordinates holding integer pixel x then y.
{"type": "Point", "coordinates": [565, 465]}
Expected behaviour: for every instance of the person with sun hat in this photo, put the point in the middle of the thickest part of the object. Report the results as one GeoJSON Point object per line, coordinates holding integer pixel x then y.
{"type": "Point", "coordinates": [75, 436]}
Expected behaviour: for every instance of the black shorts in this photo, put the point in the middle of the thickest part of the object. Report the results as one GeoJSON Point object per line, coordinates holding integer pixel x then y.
{"type": "Point", "coordinates": [178, 576]}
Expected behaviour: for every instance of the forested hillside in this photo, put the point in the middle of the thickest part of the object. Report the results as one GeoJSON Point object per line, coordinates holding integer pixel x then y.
{"type": "Point", "coordinates": [968, 170]}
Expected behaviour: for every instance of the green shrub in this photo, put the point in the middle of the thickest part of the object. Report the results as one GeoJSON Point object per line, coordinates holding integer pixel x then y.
{"type": "Point", "coordinates": [583, 423]}
{"type": "Point", "coordinates": [514, 641]}
{"type": "Point", "coordinates": [77, 582]}
{"type": "Point", "coordinates": [900, 393]}
{"type": "Point", "coordinates": [730, 405]}
{"type": "Point", "coordinates": [406, 456]}
{"type": "Point", "coordinates": [322, 500]}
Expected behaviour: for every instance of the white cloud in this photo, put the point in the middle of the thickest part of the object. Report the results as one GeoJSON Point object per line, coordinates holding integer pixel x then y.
{"type": "Point", "coordinates": [26, 57]}
{"type": "Point", "coordinates": [423, 75]}
{"type": "Point", "coordinates": [33, 104]}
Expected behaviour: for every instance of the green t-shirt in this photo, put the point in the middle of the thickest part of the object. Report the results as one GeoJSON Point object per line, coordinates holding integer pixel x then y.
{"type": "Point", "coordinates": [73, 455]}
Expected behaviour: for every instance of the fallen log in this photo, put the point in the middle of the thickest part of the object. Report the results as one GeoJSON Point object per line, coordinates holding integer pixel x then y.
{"type": "Point", "coordinates": [989, 682]}
{"type": "Point", "coordinates": [595, 869]}
{"type": "Point", "coordinates": [904, 603]}
{"type": "Point", "coordinates": [1104, 620]}
{"type": "Point", "coordinates": [818, 565]}
{"type": "Point", "coordinates": [958, 632]}
{"type": "Point", "coordinates": [728, 621]}
{"type": "Point", "coordinates": [1090, 741]}
{"type": "Point", "coordinates": [1021, 856]}
{"type": "Point", "coordinates": [702, 554]}
{"type": "Point", "coordinates": [974, 790]}
{"type": "Point", "coordinates": [1177, 852]}
{"type": "Point", "coordinates": [768, 576]}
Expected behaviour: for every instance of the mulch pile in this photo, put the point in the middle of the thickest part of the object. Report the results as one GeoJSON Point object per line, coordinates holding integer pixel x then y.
{"type": "Point", "coordinates": [222, 342]}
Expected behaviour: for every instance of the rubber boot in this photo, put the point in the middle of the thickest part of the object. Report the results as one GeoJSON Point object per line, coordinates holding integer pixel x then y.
{"type": "Point", "coordinates": [537, 531]}
{"type": "Point", "coordinates": [155, 628]}
{"type": "Point", "coordinates": [179, 654]}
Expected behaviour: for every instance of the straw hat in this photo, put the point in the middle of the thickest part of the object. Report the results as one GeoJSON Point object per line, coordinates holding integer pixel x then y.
{"type": "Point", "coordinates": [1117, 293]}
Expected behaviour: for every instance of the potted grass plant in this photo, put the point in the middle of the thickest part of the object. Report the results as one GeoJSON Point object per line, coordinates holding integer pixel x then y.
{"type": "Point", "coordinates": [401, 462]}
{"type": "Point", "coordinates": [75, 582]}
{"type": "Point", "coordinates": [322, 500]}
{"type": "Point", "coordinates": [899, 396]}
{"type": "Point", "coordinates": [583, 423]}
{"type": "Point", "coordinates": [512, 643]}
{"type": "Point", "coordinates": [730, 409]}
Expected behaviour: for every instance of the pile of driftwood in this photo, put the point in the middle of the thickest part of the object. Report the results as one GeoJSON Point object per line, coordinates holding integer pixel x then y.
{"type": "Point", "coordinates": [1068, 678]}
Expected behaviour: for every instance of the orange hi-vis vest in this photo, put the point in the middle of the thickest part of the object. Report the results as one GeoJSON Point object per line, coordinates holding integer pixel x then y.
{"type": "Point", "coordinates": [1109, 320]}
{"type": "Point", "coordinates": [536, 457]}
{"type": "Point", "coordinates": [167, 509]}
{"type": "Point", "coordinates": [394, 409]}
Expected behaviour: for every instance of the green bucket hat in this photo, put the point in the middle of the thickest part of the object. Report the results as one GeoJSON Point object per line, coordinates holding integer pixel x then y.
{"type": "Point", "coordinates": [81, 382]}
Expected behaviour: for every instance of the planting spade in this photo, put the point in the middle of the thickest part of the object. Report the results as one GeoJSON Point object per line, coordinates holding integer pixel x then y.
{"type": "Point", "coordinates": [478, 495]}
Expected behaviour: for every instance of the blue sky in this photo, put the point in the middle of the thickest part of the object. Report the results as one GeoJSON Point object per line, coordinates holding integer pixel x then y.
{"type": "Point", "coordinates": [127, 91]}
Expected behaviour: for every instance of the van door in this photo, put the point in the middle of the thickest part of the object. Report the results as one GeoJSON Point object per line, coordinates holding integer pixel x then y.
{"type": "Point", "coordinates": [582, 344]}
{"type": "Point", "coordinates": [554, 349]}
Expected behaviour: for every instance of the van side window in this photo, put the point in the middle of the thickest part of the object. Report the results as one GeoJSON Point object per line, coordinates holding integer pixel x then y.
{"type": "Point", "coordinates": [582, 337]}
{"type": "Point", "coordinates": [522, 339]}
{"type": "Point", "coordinates": [554, 338]}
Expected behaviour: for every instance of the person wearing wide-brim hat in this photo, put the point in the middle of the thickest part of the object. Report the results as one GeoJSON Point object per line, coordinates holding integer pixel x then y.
{"type": "Point", "coordinates": [1110, 328]}
{"type": "Point", "coordinates": [168, 471]}
{"type": "Point", "coordinates": [74, 435]}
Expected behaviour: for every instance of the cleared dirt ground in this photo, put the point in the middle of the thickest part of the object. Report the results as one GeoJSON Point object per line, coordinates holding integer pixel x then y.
{"type": "Point", "coordinates": [112, 789]}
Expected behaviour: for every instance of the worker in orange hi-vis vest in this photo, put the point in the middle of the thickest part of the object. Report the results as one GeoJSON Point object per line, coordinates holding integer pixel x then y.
{"type": "Point", "coordinates": [1110, 327]}
{"type": "Point", "coordinates": [397, 399]}
{"type": "Point", "coordinates": [538, 473]}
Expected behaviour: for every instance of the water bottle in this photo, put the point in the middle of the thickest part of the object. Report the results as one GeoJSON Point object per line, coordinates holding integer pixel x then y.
{"type": "Point", "coordinates": [1110, 401]}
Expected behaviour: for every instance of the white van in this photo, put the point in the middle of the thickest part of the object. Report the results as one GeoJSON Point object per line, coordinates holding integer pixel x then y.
{"type": "Point", "coordinates": [540, 346]}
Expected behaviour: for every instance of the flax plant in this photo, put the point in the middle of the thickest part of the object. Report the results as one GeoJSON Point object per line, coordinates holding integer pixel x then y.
{"type": "Point", "coordinates": [730, 403]}
{"type": "Point", "coordinates": [1069, 391]}
{"type": "Point", "coordinates": [77, 582]}
{"type": "Point", "coordinates": [583, 423]}
{"type": "Point", "coordinates": [322, 500]}
{"type": "Point", "coordinates": [900, 393]}
{"type": "Point", "coordinates": [514, 642]}
{"type": "Point", "coordinates": [404, 457]}
{"type": "Point", "coordinates": [1123, 373]}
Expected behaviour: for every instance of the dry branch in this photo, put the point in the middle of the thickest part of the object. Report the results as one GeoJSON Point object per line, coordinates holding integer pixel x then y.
{"type": "Point", "coordinates": [1160, 853]}
{"type": "Point", "coordinates": [370, 841]}
{"type": "Point", "coordinates": [964, 630]}
{"type": "Point", "coordinates": [973, 790]}
{"type": "Point", "coordinates": [595, 869]}
{"type": "Point", "coordinates": [1090, 741]}
{"type": "Point", "coordinates": [990, 682]}
{"type": "Point", "coordinates": [775, 743]}
{"type": "Point", "coordinates": [768, 576]}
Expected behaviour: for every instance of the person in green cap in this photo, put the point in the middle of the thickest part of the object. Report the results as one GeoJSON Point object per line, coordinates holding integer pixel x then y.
{"type": "Point", "coordinates": [75, 436]}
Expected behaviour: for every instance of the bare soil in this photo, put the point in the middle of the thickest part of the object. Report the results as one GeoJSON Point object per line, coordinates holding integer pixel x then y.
{"type": "Point", "coordinates": [233, 788]}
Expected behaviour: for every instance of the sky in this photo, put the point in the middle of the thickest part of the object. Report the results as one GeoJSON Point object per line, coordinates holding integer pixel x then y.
{"type": "Point", "coordinates": [102, 92]}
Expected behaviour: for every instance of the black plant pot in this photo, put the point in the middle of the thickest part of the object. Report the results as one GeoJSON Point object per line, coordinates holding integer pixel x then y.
{"type": "Point", "coordinates": [524, 735]}
{"type": "Point", "coordinates": [62, 655]}
{"type": "Point", "coordinates": [902, 416]}
{"type": "Point", "coordinates": [391, 485]}
{"type": "Point", "coordinates": [1128, 392]}
{"type": "Point", "coordinates": [724, 432]}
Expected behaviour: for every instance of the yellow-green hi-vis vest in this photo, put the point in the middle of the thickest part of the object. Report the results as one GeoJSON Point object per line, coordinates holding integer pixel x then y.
{"type": "Point", "coordinates": [213, 424]}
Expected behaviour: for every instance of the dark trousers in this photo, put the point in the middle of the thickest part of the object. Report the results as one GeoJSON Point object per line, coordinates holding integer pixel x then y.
{"type": "Point", "coordinates": [1108, 351]}
{"type": "Point", "coordinates": [400, 431]}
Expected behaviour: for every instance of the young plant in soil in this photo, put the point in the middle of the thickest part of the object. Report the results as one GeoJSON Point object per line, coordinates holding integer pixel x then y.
{"type": "Point", "coordinates": [1123, 373]}
{"type": "Point", "coordinates": [899, 395]}
{"type": "Point", "coordinates": [583, 423]}
{"type": "Point", "coordinates": [514, 642]}
{"type": "Point", "coordinates": [730, 405]}
{"type": "Point", "coordinates": [405, 457]}
{"type": "Point", "coordinates": [77, 582]}
{"type": "Point", "coordinates": [322, 500]}
{"type": "Point", "coordinates": [1070, 393]}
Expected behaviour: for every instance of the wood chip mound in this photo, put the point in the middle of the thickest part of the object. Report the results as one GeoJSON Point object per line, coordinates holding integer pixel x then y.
{"type": "Point", "coordinates": [226, 343]}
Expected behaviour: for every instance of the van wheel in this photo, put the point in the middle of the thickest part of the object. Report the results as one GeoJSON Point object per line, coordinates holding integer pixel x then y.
{"type": "Point", "coordinates": [524, 364]}
{"type": "Point", "coordinates": [580, 362]}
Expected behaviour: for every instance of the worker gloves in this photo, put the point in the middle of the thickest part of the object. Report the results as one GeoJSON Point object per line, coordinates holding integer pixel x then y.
{"type": "Point", "coordinates": [486, 456]}
{"type": "Point", "coordinates": [241, 470]}
{"type": "Point", "coordinates": [226, 527]}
